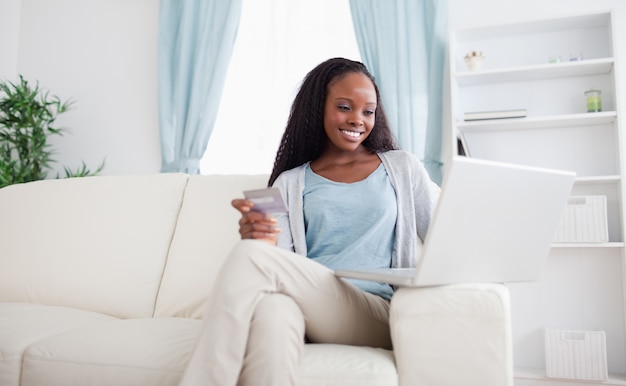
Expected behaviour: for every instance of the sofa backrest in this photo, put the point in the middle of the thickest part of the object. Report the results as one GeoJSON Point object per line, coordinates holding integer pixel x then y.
{"type": "Point", "coordinates": [206, 231]}
{"type": "Point", "coordinates": [94, 243]}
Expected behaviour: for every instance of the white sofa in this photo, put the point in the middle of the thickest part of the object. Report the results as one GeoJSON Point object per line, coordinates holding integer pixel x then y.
{"type": "Point", "coordinates": [103, 281]}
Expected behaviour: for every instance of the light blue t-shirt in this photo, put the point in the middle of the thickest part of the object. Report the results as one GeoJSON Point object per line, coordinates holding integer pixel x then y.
{"type": "Point", "coordinates": [351, 225]}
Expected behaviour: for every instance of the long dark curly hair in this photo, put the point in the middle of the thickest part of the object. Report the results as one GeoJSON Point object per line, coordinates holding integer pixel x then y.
{"type": "Point", "coordinates": [304, 138]}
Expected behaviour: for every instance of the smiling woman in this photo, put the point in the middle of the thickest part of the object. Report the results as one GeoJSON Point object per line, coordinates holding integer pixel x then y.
{"type": "Point", "coordinates": [278, 42]}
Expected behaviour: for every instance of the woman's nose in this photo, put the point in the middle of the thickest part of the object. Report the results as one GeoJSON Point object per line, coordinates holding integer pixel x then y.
{"type": "Point", "coordinates": [355, 120]}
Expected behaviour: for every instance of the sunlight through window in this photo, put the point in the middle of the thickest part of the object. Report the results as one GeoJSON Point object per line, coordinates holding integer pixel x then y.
{"type": "Point", "coordinates": [278, 42]}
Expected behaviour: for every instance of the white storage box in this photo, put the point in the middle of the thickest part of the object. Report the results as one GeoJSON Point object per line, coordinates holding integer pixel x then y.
{"type": "Point", "coordinates": [583, 221]}
{"type": "Point", "coordinates": [576, 354]}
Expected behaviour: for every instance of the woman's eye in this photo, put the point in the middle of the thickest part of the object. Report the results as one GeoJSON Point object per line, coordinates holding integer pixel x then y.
{"type": "Point", "coordinates": [368, 112]}
{"type": "Point", "coordinates": [343, 107]}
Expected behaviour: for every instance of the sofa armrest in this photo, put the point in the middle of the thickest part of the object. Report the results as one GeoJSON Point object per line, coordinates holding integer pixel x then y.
{"type": "Point", "coordinates": [453, 335]}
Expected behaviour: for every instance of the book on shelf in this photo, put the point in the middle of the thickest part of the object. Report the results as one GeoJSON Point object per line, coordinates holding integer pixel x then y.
{"type": "Point", "coordinates": [496, 114]}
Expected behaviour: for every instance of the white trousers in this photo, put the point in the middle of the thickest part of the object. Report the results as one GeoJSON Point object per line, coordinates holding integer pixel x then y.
{"type": "Point", "coordinates": [263, 302]}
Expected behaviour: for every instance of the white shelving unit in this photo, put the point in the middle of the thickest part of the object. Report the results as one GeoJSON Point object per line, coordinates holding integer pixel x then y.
{"type": "Point", "coordinates": [583, 285]}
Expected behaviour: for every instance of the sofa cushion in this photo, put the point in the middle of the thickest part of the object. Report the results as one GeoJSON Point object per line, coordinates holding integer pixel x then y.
{"type": "Point", "coordinates": [207, 229]}
{"type": "Point", "coordinates": [342, 365]}
{"type": "Point", "coordinates": [93, 243]}
{"type": "Point", "coordinates": [120, 352]}
{"type": "Point", "coordinates": [23, 324]}
{"type": "Point", "coordinates": [155, 352]}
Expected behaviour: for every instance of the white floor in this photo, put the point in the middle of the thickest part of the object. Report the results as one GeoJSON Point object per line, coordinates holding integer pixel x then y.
{"type": "Point", "coordinates": [537, 377]}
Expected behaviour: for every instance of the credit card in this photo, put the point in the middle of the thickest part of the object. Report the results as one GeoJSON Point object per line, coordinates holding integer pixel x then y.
{"type": "Point", "coordinates": [266, 200]}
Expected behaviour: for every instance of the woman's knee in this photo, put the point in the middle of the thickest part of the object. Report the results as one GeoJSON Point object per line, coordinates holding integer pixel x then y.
{"type": "Point", "coordinates": [246, 246]}
{"type": "Point", "coordinates": [279, 311]}
{"type": "Point", "coordinates": [243, 252]}
{"type": "Point", "coordinates": [247, 249]}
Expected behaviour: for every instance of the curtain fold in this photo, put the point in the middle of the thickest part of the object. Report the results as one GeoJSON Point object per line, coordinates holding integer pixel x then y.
{"type": "Point", "coordinates": [196, 39]}
{"type": "Point", "coordinates": [403, 44]}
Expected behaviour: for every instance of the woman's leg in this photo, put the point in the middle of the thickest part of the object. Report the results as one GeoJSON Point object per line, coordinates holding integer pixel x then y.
{"type": "Point", "coordinates": [275, 343]}
{"type": "Point", "coordinates": [334, 310]}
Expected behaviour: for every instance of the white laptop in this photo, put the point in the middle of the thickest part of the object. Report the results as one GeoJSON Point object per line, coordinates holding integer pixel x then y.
{"type": "Point", "coordinates": [494, 222]}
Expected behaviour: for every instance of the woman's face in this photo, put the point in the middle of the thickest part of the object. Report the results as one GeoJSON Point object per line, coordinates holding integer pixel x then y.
{"type": "Point", "coordinates": [349, 111]}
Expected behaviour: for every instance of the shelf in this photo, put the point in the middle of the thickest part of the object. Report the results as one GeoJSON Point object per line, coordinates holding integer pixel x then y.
{"type": "Point", "coordinates": [589, 245]}
{"type": "Point", "coordinates": [540, 122]}
{"type": "Point", "coordinates": [536, 72]}
{"type": "Point", "coordinates": [549, 24]}
{"type": "Point", "coordinates": [592, 180]}
{"type": "Point", "coordinates": [557, 133]}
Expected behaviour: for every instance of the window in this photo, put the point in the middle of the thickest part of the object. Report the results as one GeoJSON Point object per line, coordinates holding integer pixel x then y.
{"type": "Point", "coordinates": [278, 42]}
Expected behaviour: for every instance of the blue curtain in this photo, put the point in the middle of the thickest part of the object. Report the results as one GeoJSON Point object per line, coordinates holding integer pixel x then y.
{"type": "Point", "coordinates": [403, 43]}
{"type": "Point", "coordinates": [196, 39]}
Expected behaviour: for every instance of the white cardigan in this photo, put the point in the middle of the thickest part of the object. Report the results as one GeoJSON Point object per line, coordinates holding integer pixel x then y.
{"type": "Point", "coordinates": [416, 197]}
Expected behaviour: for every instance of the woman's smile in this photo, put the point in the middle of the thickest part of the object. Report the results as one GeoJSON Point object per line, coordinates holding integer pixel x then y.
{"type": "Point", "coordinates": [351, 133]}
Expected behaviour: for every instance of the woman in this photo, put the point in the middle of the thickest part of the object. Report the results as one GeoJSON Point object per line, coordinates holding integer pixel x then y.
{"type": "Point", "coordinates": [353, 201]}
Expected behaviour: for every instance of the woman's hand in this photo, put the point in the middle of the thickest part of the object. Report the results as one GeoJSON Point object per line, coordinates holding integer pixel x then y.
{"type": "Point", "coordinates": [255, 225]}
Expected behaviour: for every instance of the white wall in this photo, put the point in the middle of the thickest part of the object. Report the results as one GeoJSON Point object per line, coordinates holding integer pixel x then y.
{"type": "Point", "coordinates": [9, 33]}
{"type": "Point", "coordinates": [101, 54]}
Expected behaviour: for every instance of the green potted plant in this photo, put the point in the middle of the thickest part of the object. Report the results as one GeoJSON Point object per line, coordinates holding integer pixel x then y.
{"type": "Point", "coordinates": [27, 121]}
